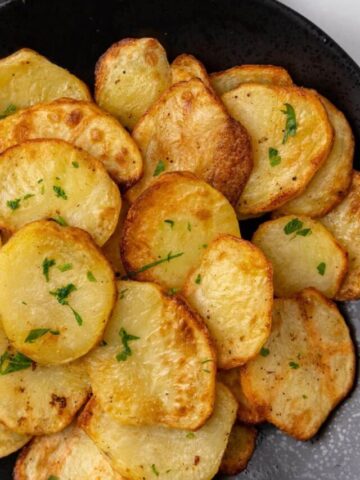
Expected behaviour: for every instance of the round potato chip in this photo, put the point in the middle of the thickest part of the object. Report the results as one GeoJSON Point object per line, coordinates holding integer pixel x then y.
{"type": "Point", "coordinates": [186, 67]}
{"type": "Point", "coordinates": [239, 450]}
{"type": "Point", "coordinates": [11, 441]}
{"type": "Point", "coordinates": [56, 292]}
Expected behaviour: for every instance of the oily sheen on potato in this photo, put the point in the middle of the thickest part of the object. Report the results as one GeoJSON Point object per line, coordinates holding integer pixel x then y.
{"type": "Point", "coordinates": [233, 292]}
{"type": "Point", "coordinates": [82, 124]}
{"type": "Point", "coordinates": [56, 292]}
{"type": "Point", "coordinates": [11, 441]}
{"type": "Point", "coordinates": [165, 452]}
{"type": "Point", "coordinates": [157, 364]}
{"type": "Point", "coordinates": [186, 67]}
{"type": "Point", "coordinates": [291, 138]}
{"type": "Point", "coordinates": [239, 450]}
{"type": "Point", "coordinates": [42, 179]}
{"type": "Point", "coordinates": [303, 254]}
{"type": "Point", "coordinates": [170, 225]}
{"type": "Point", "coordinates": [307, 366]}
{"type": "Point", "coordinates": [188, 129]}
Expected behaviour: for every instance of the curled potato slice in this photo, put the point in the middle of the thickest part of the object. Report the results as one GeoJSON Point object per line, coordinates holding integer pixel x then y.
{"type": "Point", "coordinates": [176, 454]}
{"type": "Point", "coordinates": [11, 441]}
{"type": "Point", "coordinates": [186, 67]}
{"type": "Point", "coordinates": [239, 450]}
{"type": "Point", "coordinates": [157, 365]}
{"type": "Point", "coordinates": [130, 76]}
{"type": "Point", "coordinates": [56, 292]}
{"type": "Point", "coordinates": [169, 226]}
{"type": "Point", "coordinates": [82, 124]}
{"type": "Point", "coordinates": [308, 368]}
{"type": "Point", "coordinates": [42, 179]}
{"type": "Point", "coordinates": [233, 292]}
{"type": "Point", "coordinates": [291, 138]}
{"type": "Point", "coordinates": [303, 254]}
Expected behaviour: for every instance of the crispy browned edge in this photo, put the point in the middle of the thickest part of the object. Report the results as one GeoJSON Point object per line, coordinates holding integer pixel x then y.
{"type": "Point", "coordinates": [253, 67]}
{"type": "Point", "coordinates": [18, 472]}
{"type": "Point", "coordinates": [178, 61]}
{"type": "Point", "coordinates": [228, 468]}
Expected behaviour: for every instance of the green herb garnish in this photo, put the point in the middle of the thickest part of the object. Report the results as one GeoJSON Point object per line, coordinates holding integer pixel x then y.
{"type": "Point", "coordinates": [59, 192]}
{"type": "Point", "coordinates": [321, 268]}
{"type": "Point", "coordinates": [28, 195]}
{"type": "Point", "coordinates": [168, 258]}
{"type": "Point", "coordinates": [153, 468]}
{"type": "Point", "coordinates": [292, 226]}
{"type": "Point", "coordinates": [75, 164]}
{"type": "Point", "coordinates": [52, 477]}
{"type": "Point", "coordinates": [39, 332]}
{"type": "Point", "coordinates": [62, 294]}
{"type": "Point", "coordinates": [264, 352]}
{"type": "Point", "coordinates": [60, 220]}
{"type": "Point", "coordinates": [13, 363]}
{"type": "Point", "coordinates": [65, 267]}
{"type": "Point", "coordinates": [274, 157]}
{"type": "Point", "coordinates": [125, 339]}
{"type": "Point", "coordinates": [40, 180]}
{"type": "Point", "coordinates": [170, 222]}
{"type": "Point", "coordinates": [90, 276]}
{"type": "Point", "coordinates": [14, 204]}
{"type": "Point", "coordinates": [294, 365]}
{"type": "Point", "coordinates": [172, 291]}
{"type": "Point", "coordinates": [189, 226]}
{"type": "Point", "coordinates": [122, 293]}
{"type": "Point", "coordinates": [198, 279]}
{"type": "Point", "coordinates": [160, 167]}
{"type": "Point", "coordinates": [304, 232]}
{"type": "Point", "coordinates": [9, 110]}
{"type": "Point", "coordinates": [46, 265]}
{"type": "Point", "coordinates": [190, 435]}
{"type": "Point", "coordinates": [78, 318]}
{"type": "Point", "coordinates": [290, 125]}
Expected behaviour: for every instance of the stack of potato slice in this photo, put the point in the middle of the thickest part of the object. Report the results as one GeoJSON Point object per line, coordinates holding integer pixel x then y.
{"type": "Point", "coordinates": [124, 277]}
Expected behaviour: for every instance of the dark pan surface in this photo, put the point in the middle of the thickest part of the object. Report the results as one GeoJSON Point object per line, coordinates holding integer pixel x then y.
{"type": "Point", "coordinates": [222, 33]}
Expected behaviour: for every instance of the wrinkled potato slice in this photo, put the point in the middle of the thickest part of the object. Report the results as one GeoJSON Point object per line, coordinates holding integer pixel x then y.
{"type": "Point", "coordinates": [26, 78]}
{"type": "Point", "coordinates": [11, 441]}
{"type": "Point", "coordinates": [158, 365]}
{"type": "Point", "coordinates": [332, 181]}
{"type": "Point", "coordinates": [130, 76]}
{"type": "Point", "coordinates": [229, 79]}
{"type": "Point", "coordinates": [67, 455]}
{"type": "Point", "coordinates": [42, 179]}
{"type": "Point", "coordinates": [303, 254]}
{"type": "Point", "coordinates": [291, 138]}
{"type": "Point", "coordinates": [82, 124]}
{"type": "Point", "coordinates": [111, 249]}
{"type": "Point", "coordinates": [239, 450]}
{"type": "Point", "coordinates": [178, 454]}
{"type": "Point", "coordinates": [48, 274]}
{"type": "Point", "coordinates": [233, 292]}
{"type": "Point", "coordinates": [170, 225]}
{"type": "Point", "coordinates": [188, 129]}
{"type": "Point", "coordinates": [344, 223]}
{"type": "Point", "coordinates": [186, 67]}
{"type": "Point", "coordinates": [308, 367]}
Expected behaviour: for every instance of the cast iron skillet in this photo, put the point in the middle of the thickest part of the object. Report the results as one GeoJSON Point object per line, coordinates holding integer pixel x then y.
{"type": "Point", "coordinates": [222, 33]}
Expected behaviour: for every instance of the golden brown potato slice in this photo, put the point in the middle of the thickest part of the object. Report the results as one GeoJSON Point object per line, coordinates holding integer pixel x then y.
{"type": "Point", "coordinates": [84, 125]}
{"type": "Point", "coordinates": [130, 76]}
{"type": "Point", "coordinates": [188, 129]}
{"type": "Point", "coordinates": [332, 181]}
{"type": "Point", "coordinates": [307, 367]}
{"type": "Point", "coordinates": [291, 138]}
{"type": "Point", "coordinates": [11, 441]}
{"type": "Point", "coordinates": [170, 225]}
{"type": "Point", "coordinates": [27, 77]}
{"type": "Point", "coordinates": [239, 450]}
{"type": "Point", "coordinates": [233, 292]}
{"type": "Point", "coordinates": [158, 365]}
{"type": "Point", "coordinates": [186, 67]}
{"type": "Point", "coordinates": [56, 292]}
{"type": "Point", "coordinates": [344, 223]}
{"type": "Point", "coordinates": [67, 455]}
{"type": "Point", "coordinates": [111, 249]}
{"type": "Point", "coordinates": [303, 254]}
{"type": "Point", "coordinates": [42, 179]}
{"type": "Point", "coordinates": [229, 79]}
{"type": "Point", "coordinates": [174, 454]}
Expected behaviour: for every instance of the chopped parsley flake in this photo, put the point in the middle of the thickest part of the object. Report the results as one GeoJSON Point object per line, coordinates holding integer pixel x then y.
{"type": "Point", "coordinates": [62, 294]}
{"type": "Point", "coordinates": [65, 267]}
{"type": "Point", "coordinates": [170, 222]}
{"type": "Point", "coordinates": [170, 256]}
{"type": "Point", "coordinates": [59, 192]}
{"type": "Point", "coordinates": [125, 339]}
{"type": "Point", "coordinates": [46, 265]}
{"type": "Point", "coordinates": [9, 110]}
{"type": "Point", "coordinates": [122, 293]}
{"type": "Point", "coordinates": [52, 477]}
{"type": "Point", "coordinates": [172, 291]}
{"type": "Point", "coordinates": [75, 164]}
{"type": "Point", "coordinates": [60, 220]}
{"type": "Point", "coordinates": [10, 363]}
{"type": "Point", "coordinates": [304, 232]}
{"type": "Point", "coordinates": [189, 226]}
{"type": "Point", "coordinates": [14, 204]}
{"type": "Point", "coordinates": [290, 125]}
{"type": "Point", "coordinates": [190, 435]}
{"type": "Point", "coordinates": [294, 225]}
{"type": "Point", "coordinates": [198, 279]}
{"type": "Point", "coordinates": [304, 397]}
{"type": "Point", "coordinates": [274, 157]}
{"type": "Point", "coordinates": [28, 195]}
{"type": "Point", "coordinates": [321, 268]}
{"type": "Point", "coordinates": [39, 332]}
{"type": "Point", "coordinates": [294, 365]}
{"type": "Point", "coordinates": [160, 167]}
{"type": "Point", "coordinates": [40, 180]}
{"type": "Point", "coordinates": [90, 276]}
{"type": "Point", "coordinates": [264, 352]}
{"type": "Point", "coordinates": [153, 468]}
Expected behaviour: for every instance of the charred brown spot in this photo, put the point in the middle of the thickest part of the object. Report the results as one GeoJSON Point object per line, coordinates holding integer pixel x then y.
{"type": "Point", "coordinates": [59, 402]}
{"type": "Point", "coordinates": [203, 214]}
{"type": "Point", "coordinates": [74, 118]}
{"type": "Point", "coordinates": [196, 460]}
{"type": "Point", "coordinates": [22, 131]}
{"type": "Point", "coordinates": [96, 135]}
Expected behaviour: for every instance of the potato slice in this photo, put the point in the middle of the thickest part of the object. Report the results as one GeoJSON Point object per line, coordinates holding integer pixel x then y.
{"type": "Point", "coordinates": [332, 181]}
{"type": "Point", "coordinates": [186, 67]}
{"type": "Point", "coordinates": [130, 76]}
{"type": "Point", "coordinates": [303, 254]}
{"type": "Point", "coordinates": [291, 138]}
{"type": "Point", "coordinates": [42, 179]}
{"type": "Point", "coordinates": [188, 129]}
{"type": "Point", "coordinates": [233, 292]}
{"type": "Point", "coordinates": [84, 125]}
{"type": "Point", "coordinates": [26, 78]}
{"type": "Point", "coordinates": [229, 79]}
{"type": "Point", "coordinates": [67, 455]}
{"type": "Point", "coordinates": [111, 249]}
{"type": "Point", "coordinates": [247, 411]}
{"type": "Point", "coordinates": [170, 225]}
{"type": "Point", "coordinates": [239, 450]}
{"type": "Point", "coordinates": [158, 365]}
{"type": "Point", "coordinates": [308, 368]}
{"type": "Point", "coordinates": [344, 223]}
{"type": "Point", "coordinates": [174, 453]}
{"type": "Point", "coordinates": [11, 441]}
{"type": "Point", "coordinates": [48, 274]}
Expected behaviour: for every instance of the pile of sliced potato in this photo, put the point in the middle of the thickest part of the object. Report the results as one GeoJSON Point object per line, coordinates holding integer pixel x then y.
{"type": "Point", "coordinates": [153, 304]}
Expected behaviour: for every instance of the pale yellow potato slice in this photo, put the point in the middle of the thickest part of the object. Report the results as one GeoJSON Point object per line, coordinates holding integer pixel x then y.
{"type": "Point", "coordinates": [67, 455]}
{"type": "Point", "coordinates": [188, 129]}
{"type": "Point", "coordinates": [170, 225]}
{"type": "Point", "coordinates": [56, 292]}
{"type": "Point", "coordinates": [111, 249]}
{"type": "Point", "coordinates": [84, 125]}
{"type": "Point", "coordinates": [231, 78]}
{"type": "Point", "coordinates": [26, 78]}
{"type": "Point", "coordinates": [169, 453]}
{"type": "Point", "coordinates": [186, 67]}
{"type": "Point", "coordinates": [303, 254]}
{"type": "Point", "coordinates": [42, 179]}
{"type": "Point", "coordinates": [332, 181]}
{"type": "Point", "coordinates": [239, 450]}
{"type": "Point", "coordinates": [158, 364]}
{"type": "Point", "coordinates": [309, 366]}
{"type": "Point", "coordinates": [344, 223]}
{"type": "Point", "coordinates": [232, 290]}
{"type": "Point", "coordinates": [130, 76]}
{"type": "Point", "coordinates": [11, 441]}
{"type": "Point", "coordinates": [291, 138]}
